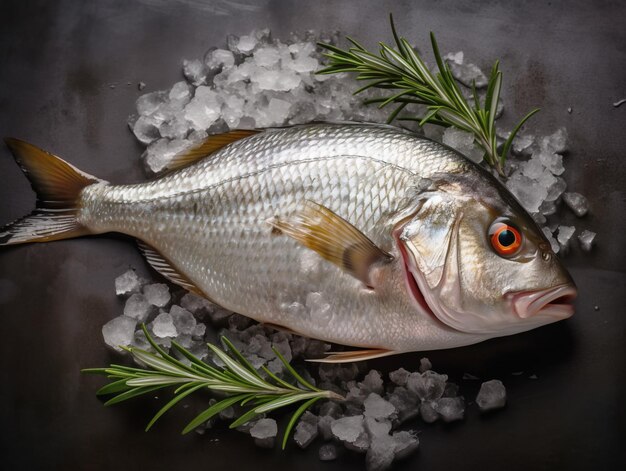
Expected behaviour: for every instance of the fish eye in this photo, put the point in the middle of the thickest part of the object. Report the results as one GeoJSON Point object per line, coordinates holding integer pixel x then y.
{"type": "Point", "coordinates": [505, 238]}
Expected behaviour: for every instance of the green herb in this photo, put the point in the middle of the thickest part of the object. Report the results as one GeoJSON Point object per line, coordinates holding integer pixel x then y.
{"type": "Point", "coordinates": [403, 72]}
{"type": "Point", "coordinates": [238, 380]}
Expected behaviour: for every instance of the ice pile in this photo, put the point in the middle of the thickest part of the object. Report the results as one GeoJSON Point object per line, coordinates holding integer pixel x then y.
{"type": "Point", "coordinates": [256, 81]}
{"type": "Point", "coordinates": [367, 422]}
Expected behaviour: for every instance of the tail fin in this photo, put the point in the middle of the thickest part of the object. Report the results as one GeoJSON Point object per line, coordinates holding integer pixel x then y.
{"type": "Point", "coordinates": [58, 186]}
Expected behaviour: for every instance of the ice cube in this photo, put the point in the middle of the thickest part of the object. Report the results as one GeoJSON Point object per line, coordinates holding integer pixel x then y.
{"type": "Point", "coordinates": [405, 442]}
{"type": "Point", "coordinates": [399, 376]}
{"type": "Point", "coordinates": [556, 142]}
{"type": "Point", "coordinates": [282, 346]}
{"type": "Point", "coordinates": [163, 326]}
{"type": "Point", "coordinates": [492, 395]}
{"type": "Point", "coordinates": [195, 72]}
{"type": "Point", "coordinates": [180, 93]}
{"type": "Point", "coordinates": [450, 408]}
{"type": "Point", "coordinates": [377, 428]}
{"type": "Point", "coordinates": [348, 429]}
{"type": "Point", "coordinates": [331, 409]}
{"type": "Point", "coordinates": [137, 307]}
{"type": "Point", "coordinates": [428, 386]}
{"type": "Point", "coordinates": [577, 203]}
{"type": "Point", "coordinates": [204, 109]}
{"type": "Point", "coordinates": [564, 235]}
{"type": "Point", "coordinates": [119, 332]}
{"type": "Point", "coordinates": [526, 190]}
{"type": "Point", "coordinates": [217, 60]}
{"type": "Point", "coordinates": [586, 238]}
{"type": "Point", "coordinates": [157, 294]}
{"type": "Point", "coordinates": [428, 412]}
{"type": "Point", "coordinates": [468, 74]}
{"type": "Point", "coordinates": [533, 168]}
{"type": "Point", "coordinates": [150, 102]}
{"type": "Point", "coordinates": [551, 160]}
{"type": "Point", "coordinates": [380, 454]}
{"type": "Point", "coordinates": [276, 80]}
{"type": "Point", "coordinates": [425, 365]}
{"type": "Point", "coordinates": [195, 304]}
{"type": "Point", "coordinates": [264, 432]}
{"type": "Point", "coordinates": [522, 144]}
{"type": "Point", "coordinates": [554, 245]}
{"type": "Point", "coordinates": [372, 382]}
{"type": "Point", "coordinates": [405, 403]}
{"type": "Point", "coordinates": [127, 283]}
{"type": "Point", "coordinates": [306, 430]}
{"type": "Point", "coordinates": [141, 341]}
{"type": "Point", "coordinates": [267, 56]}
{"type": "Point", "coordinates": [328, 452]}
{"type": "Point", "coordinates": [556, 189]}
{"type": "Point", "coordinates": [378, 408]}
{"type": "Point", "coordinates": [183, 320]}
{"type": "Point", "coordinates": [146, 129]}
{"type": "Point", "coordinates": [159, 154]}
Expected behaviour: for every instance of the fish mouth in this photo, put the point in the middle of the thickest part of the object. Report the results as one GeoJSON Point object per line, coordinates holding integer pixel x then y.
{"type": "Point", "coordinates": [555, 302]}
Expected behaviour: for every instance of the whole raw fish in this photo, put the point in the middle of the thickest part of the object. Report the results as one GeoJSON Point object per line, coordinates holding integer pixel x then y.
{"type": "Point", "coordinates": [364, 235]}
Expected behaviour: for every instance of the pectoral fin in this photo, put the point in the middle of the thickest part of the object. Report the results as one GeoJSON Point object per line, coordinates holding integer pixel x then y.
{"type": "Point", "coordinates": [354, 355]}
{"type": "Point", "coordinates": [334, 238]}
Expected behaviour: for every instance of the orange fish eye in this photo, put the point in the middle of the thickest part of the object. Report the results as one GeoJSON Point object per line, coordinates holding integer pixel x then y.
{"type": "Point", "coordinates": [505, 238]}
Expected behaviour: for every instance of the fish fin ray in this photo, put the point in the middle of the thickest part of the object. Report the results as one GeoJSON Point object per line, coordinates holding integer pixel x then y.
{"type": "Point", "coordinates": [165, 268]}
{"type": "Point", "coordinates": [58, 185]}
{"type": "Point", "coordinates": [207, 147]}
{"type": "Point", "coordinates": [334, 239]}
{"type": "Point", "coordinates": [354, 355]}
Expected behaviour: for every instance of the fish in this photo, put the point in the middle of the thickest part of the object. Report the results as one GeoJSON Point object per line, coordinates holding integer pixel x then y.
{"type": "Point", "coordinates": [358, 234]}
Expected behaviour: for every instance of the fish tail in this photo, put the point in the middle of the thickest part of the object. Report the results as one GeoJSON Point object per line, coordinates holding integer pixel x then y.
{"type": "Point", "coordinates": [58, 186]}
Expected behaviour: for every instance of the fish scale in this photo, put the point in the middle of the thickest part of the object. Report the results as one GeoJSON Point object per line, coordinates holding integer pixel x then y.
{"type": "Point", "coordinates": [226, 246]}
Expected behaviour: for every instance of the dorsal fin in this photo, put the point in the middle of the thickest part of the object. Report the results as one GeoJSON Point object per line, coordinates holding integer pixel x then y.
{"type": "Point", "coordinates": [165, 268]}
{"type": "Point", "coordinates": [210, 145]}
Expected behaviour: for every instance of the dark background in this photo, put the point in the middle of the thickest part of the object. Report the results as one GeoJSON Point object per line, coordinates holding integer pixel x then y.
{"type": "Point", "coordinates": [58, 60]}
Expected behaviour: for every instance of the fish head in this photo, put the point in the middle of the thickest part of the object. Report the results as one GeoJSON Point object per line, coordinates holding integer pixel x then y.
{"type": "Point", "coordinates": [477, 261]}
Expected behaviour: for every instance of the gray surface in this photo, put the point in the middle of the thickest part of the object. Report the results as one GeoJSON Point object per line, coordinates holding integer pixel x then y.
{"type": "Point", "coordinates": [58, 62]}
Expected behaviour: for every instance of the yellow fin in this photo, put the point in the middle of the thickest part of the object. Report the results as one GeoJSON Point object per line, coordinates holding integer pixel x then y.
{"type": "Point", "coordinates": [58, 185]}
{"type": "Point", "coordinates": [210, 145]}
{"type": "Point", "coordinates": [165, 268]}
{"type": "Point", "coordinates": [333, 238]}
{"type": "Point", "coordinates": [354, 355]}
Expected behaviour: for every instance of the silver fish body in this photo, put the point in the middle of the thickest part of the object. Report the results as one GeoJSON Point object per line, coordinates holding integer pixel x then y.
{"type": "Point", "coordinates": [212, 221]}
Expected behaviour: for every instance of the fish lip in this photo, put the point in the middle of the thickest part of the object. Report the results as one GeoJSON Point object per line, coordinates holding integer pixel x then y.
{"type": "Point", "coordinates": [542, 302]}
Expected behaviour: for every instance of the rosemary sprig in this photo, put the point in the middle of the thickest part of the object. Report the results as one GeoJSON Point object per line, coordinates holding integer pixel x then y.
{"type": "Point", "coordinates": [238, 380]}
{"type": "Point", "coordinates": [403, 72]}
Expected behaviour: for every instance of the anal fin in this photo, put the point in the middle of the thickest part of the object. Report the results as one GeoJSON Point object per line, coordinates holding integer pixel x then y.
{"type": "Point", "coordinates": [354, 355]}
{"type": "Point", "coordinates": [165, 268]}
